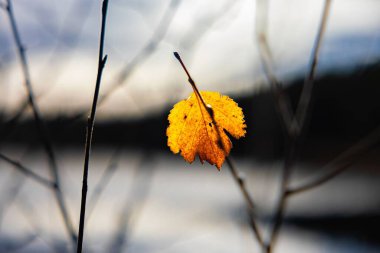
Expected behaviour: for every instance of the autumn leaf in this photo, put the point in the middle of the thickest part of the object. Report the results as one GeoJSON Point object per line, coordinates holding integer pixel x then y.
{"type": "Point", "coordinates": [194, 130]}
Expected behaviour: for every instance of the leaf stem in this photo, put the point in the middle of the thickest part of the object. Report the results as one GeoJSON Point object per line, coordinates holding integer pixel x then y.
{"type": "Point", "coordinates": [191, 81]}
{"type": "Point", "coordinates": [234, 172]}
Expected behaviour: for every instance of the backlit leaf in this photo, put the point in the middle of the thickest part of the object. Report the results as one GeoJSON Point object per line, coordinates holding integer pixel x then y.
{"type": "Point", "coordinates": [192, 130]}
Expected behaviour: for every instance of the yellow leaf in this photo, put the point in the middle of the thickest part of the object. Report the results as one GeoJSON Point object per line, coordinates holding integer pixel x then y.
{"type": "Point", "coordinates": [192, 129]}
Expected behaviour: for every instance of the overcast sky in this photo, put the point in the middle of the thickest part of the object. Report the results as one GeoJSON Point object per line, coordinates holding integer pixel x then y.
{"type": "Point", "coordinates": [215, 38]}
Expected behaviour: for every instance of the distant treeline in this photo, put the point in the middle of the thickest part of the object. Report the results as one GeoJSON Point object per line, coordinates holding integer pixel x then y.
{"type": "Point", "coordinates": [345, 108]}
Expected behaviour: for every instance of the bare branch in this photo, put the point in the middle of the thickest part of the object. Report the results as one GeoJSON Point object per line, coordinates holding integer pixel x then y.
{"type": "Point", "coordinates": [340, 163]}
{"type": "Point", "coordinates": [90, 127]}
{"type": "Point", "coordinates": [13, 188]}
{"type": "Point", "coordinates": [28, 172]}
{"type": "Point", "coordinates": [61, 43]}
{"type": "Point", "coordinates": [248, 200]}
{"type": "Point", "coordinates": [282, 201]}
{"type": "Point", "coordinates": [19, 245]}
{"type": "Point", "coordinates": [123, 74]}
{"type": "Point", "coordinates": [293, 122]}
{"type": "Point", "coordinates": [3, 6]}
{"type": "Point", "coordinates": [201, 26]}
{"type": "Point", "coordinates": [9, 125]}
{"type": "Point", "coordinates": [141, 56]}
{"type": "Point", "coordinates": [30, 214]}
{"type": "Point", "coordinates": [304, 102]}
{"type": "Point", "coordinates": [41, 127]}
{"type": "Point", "coordinates": [284, 111]}
{"type": "Point", "coordinates": [134, 203]}
{"type": "Point", "coordinates": [282, 101]}
{"type": "Point", "coordinates": [104, 180]}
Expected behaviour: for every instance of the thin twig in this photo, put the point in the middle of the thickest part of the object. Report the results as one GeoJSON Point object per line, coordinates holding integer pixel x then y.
{"type": "Point", "coordinates": [31, 215]}
{"type": "Point", "coordinates": [248, 200]}
{"type": "Point", "coordinates": [90, 127]}
{"type": "Point", "coordinates": [134, 203]}
{"type": "Point", "coordinates": [282, 201]}
{"type": "Point", "coordinates": [305, 101]}
{"type": "Point", "coordinates": [18, 246]}
{"type": "Point", "coordinates": [122, 75]}
{"type": "Point", "coordinates": [148, 49]}
{"type": "Point", "coordinates": [41, 127]}
{"type": "Point", "coordinates": [104, 180]}
{"type": "Point", "coordinates": [10, 124]}
{"type": "Point", "coordinates": [333, 168]}
{"type": "Point", "coordinates": [340, 163]}
{"type": "Point", "coordinates": [282, 101]}
{"type": "Point", "coordinates": [141, 56]}
{"type": "Point", "coordinates": [283, 106]}
{"type": "Point", "coordinates": [73, 26]}
{"type": "Point", "coordinates": [200, 26]}
{"type": "Point", "coordinates": [11, 197]}
{"type": "Point", "coordinates": [28, 172]}
{"type": "Point", "coordinates": [240, 181]}
{"type": "Point", "coordinates": [19, 112]}
{"type": "Point", "coordinates": [13, 188]}
{"type": "Point", "coordinates": [296, 131]}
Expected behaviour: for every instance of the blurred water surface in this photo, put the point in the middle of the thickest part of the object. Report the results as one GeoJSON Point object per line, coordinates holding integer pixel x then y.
{"type": "Point", "coordinates": [155, 202]}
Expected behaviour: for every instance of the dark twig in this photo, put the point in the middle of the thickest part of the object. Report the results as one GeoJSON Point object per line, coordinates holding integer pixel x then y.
{"type": "Point", "coordinates": [297, 127]}
{"type": "Point", "coordinates": [19, 245]}
{"type": "Point", "coordinates": [104, 180]}
{"type": "Point", "coordinates": [28, 172]}
{"type": "Point", "coordinates": [41, 127]}
{"type": "Point", "coordinates": [141, 56]}
{"type": "Point", "coordinates": [90, 127]}
{"type": "Point", "coordinates": [296, 131]}
{"type": "Point", "coordinates": [304, 103]}
{"type": "Point", "coordinates": [283, 106]}
{"type": "Point", "coordinates": [333, 168]}
{"type": "Point", "coordinates": [148, 49]}
{"type": "Point", "coordinates": [121, 77]}
{"type": "Point", "coordinates": [239, 180]}
{"type": "Point", "coordinates": [282, 201]}
{"type": "Point", "coordinates": [31, 215]}
{"type": "Point", "coordinates": [10, 124]}
{"type": "Point", "coordinates": [340, 163]}
{"type": "Point", "coordinates": [202, 25]}
{"type": "Point", "coordinates": [133, 204]}
{"type": "Point", "coordinates": [282, 101]}
{"type": "Point", "coordinates": [13, 188]}
{"type": "Point", "coordinates": [248, 200]}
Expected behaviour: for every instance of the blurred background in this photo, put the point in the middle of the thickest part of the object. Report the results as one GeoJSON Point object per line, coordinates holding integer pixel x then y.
{"type": "Point", "coordinates": [143, 198]}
